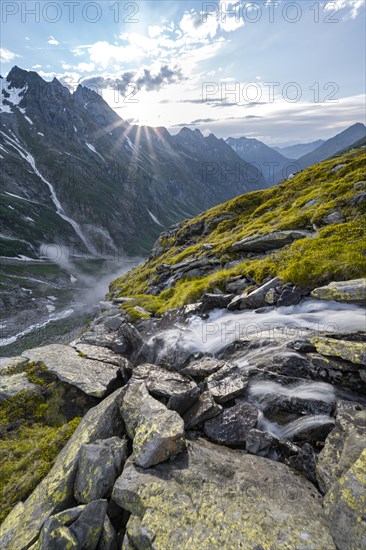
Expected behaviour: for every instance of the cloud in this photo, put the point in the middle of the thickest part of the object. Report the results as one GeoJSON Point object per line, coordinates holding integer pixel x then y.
{"type": "Point", "coordinates": [35, 67]}
{"type": "Point", "coordinates": [6, 55]}
{"type": "Point", "coordinates": [145, 78]}
{"type": "Point", "coordinates": [354, 7]}
{"type": "Point", "coordinates": [52, 40]}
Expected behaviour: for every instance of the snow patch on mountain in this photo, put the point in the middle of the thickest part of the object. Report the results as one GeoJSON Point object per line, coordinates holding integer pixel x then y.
{"type": "Point", "coordinates": [92, 148]}
{"type": "Point", "coordinates": [155, 219]}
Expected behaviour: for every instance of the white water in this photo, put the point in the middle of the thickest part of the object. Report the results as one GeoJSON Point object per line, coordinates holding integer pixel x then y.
{"type": "Point", "coordinates": [60, 211]}
{"type": "Point", "coordinates": [317, 391]}
{"type": "Point", "coordinates": [295, 427]}
{"type": "Point", "coordinates": [223, 327]}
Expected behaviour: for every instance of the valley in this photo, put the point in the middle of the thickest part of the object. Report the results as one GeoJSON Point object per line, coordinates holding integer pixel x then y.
{"type": "Point", "coordinates": [182, 338]}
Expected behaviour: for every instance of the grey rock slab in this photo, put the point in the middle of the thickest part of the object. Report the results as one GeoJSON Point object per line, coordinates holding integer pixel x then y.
{"type": "Point", "coordinates": [203, 367]}
{"type": "Point", "coordinates": [203, 409]}
{"type": "Point", "coordinates": [215, 497]}
{"type": "Point", "coordinates": [231, 426]}
{"type": "Point", "coordinates": [55, 492]}
{"type": "Point", "coordinates": [158, 433]}
{"type": "Point", "coordinates": [88, 527]}
{"type": "Point", "coordinates": [228, 382]}
{"type": "Point", "coordinates": [254, 299]}
{"type": "Point", "coordinates": [271, 241]}
{"type": "Point", "coordinates": [161, 382]}
{"type": "Point", "coordinates": [103, 354]}
{"type": "Point", "coordinates": [92, 377]}
{"type": "Point", "coordinates": [214, 301]}
{"type": "Point", "coordinates": [99, 465]}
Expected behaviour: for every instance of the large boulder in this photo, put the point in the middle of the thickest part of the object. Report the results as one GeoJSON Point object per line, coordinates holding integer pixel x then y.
{"type": "Point", "coordinates": [157, 432]}
{"type": "Point", "coordinates": [354, 352]}
{"type": "Point", "coordinates": [214, 497]}
{"type": "Point", "coordinates": [103, 354]}
{"type": "Point", "coordinates": [100, 463]}
{"type": "Point", "coordinates": [55, 492]}
{"type": "Point", "coordinates": [353, 292]}
{"type": "Point", "coordinates": [94, 378]}
{"type": "Point", "coordinates": [271, 241]}
{"type": "Point", "coordinates": [254, 299]}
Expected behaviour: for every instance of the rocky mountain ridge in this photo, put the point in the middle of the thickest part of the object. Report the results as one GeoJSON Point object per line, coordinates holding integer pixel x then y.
{"type": "Point", "coordinates": [77, 174]}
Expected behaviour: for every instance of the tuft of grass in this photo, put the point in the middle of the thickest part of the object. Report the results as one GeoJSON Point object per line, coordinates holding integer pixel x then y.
{"type": "Point", "coordinates": [26, 457]}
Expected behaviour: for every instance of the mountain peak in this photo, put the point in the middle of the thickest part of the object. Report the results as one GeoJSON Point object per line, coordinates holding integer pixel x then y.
{"type": "Point", "coordinates": [18, 77]}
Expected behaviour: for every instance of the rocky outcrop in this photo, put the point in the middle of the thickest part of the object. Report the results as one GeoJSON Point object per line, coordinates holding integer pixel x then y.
{"type": "Point", "coordinates": [161, 448]}
{"type": "Point", "coordinates": [215, 497]}
{"type": "Point", "coordinates": [271, 241]}
{"type": "Point", "coordinates": [353, 292]}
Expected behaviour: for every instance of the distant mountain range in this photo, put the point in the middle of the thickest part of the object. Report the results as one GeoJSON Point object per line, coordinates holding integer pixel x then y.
{"type": "Point", "coordinates": [276, 167]}
{"type": "Point", "coordinates": [299, 150]}
{"type": "Point", "coordinates": [270, 162]}
{"type": "Point", "coordinates": [75, 173]}
{"type": "Point", "coordinates": [334, 145]}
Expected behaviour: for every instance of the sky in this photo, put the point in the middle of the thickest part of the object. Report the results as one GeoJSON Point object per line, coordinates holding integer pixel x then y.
{"type": "Point", "coordinates": [279, 71]}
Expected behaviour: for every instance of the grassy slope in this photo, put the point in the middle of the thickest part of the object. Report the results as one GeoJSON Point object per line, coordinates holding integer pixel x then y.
{"type": "Point", "coordinates": [336, 253]}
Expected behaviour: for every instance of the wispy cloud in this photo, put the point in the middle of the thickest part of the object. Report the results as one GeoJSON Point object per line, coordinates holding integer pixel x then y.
{"type": "Point", "coordinates": [52, 40]}
{"type": "Point", "coordinates": [6, 55]}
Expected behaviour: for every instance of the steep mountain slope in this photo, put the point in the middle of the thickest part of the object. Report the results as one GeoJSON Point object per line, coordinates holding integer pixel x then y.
{"type": "Point", "coordinates": [75, 173]}
{"type": "Point", "coordinates": [321, 211]}
{"type": "Point", "coordinates": [273, 165]}
{"type": "Point", "coordinates": [334, 145]}
{"type": "Point", "coordinates": [299, 150]}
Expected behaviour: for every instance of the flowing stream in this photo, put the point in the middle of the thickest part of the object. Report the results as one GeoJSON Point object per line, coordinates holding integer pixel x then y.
{"type": "Point", "coordinates": [271, 328]}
